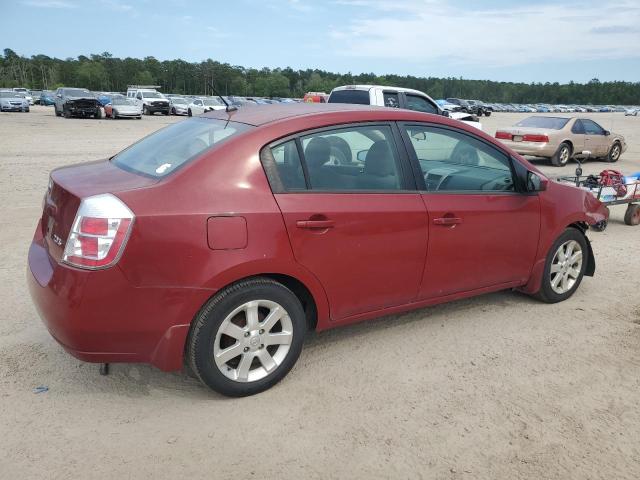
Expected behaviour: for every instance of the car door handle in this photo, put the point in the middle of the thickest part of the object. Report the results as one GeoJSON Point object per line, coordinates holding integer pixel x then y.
{"type": "Point", "coordinates": [447, 221]}
{"type": "Point", "coordinates": [315, 224]}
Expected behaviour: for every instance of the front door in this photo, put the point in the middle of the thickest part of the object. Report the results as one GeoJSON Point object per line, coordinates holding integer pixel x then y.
{"type": "Point", "coordinates": [482, 232]}
{"type": "Point", "coordinates": [353, 215]}
{"type": "Point", "coordinates": [597, 141]}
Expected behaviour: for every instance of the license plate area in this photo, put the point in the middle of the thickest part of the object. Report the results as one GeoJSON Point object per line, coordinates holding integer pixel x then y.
{"type": "Point", "coordinates": [517, 138]}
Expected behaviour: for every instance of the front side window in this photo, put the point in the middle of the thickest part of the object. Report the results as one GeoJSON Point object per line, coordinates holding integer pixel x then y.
{"type": "Point", "coordinates": [420, 104]}
{"type": "Point", "coordinates": [592, 128]}
{"type": "Point", "coordinates": [164, 151]}
{"type": "Point", "coordinates": [351, 159]}
{"type": "Point", "coordinates": [456, 162]}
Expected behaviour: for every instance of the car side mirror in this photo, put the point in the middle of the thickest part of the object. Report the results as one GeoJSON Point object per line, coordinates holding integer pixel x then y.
{"type": "Point", "coordinates": [535, 183]}
{"type": "Point", "coordinates": [59, 96]}
{"type": "Point", "coordinates": [445, 113]}
{"type": "Point", "coordinates": [607, 133]}
{"type": "Point", "coordinates": [361, 155]}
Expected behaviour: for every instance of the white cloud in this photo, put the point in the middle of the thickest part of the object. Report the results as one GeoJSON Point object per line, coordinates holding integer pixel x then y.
{"type": "Point", "coordinates": [434, 30]}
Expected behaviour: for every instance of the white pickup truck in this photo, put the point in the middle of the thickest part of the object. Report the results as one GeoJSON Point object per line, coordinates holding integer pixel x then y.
{"type": "Point", "coordinates": [396, 97]}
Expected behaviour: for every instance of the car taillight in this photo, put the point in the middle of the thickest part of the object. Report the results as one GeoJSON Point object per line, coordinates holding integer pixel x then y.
{"type": "Point", "coordinates": [99, 232]}
{"type": "Point", "coordinates": [504, 135]}
{"type": "Point", "coordinates": [535, 138]}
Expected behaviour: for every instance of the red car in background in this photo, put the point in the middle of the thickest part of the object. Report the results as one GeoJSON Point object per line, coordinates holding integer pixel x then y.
{"type": "Point", "coordinates": [220, 240]}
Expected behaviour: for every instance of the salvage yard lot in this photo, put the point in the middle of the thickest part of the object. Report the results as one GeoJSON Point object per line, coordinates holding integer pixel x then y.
{"type": "Point", "coordinates": [499, 386]}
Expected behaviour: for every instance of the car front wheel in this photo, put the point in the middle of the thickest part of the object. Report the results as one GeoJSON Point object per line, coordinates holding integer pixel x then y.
{"type": "Point", "coordinates": [565, 266]}
{"type": "Point", "coordinates": [247, 338]}
{"type": "Point", "coordinates": [614, 153]}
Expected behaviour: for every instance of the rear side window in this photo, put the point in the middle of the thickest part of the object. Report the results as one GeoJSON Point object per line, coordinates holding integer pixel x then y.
{"type": "Point", "coordinates": [352, 159]}
{"type": "Point", "coordinates": [360, 97]}
{"type": "Point", "coordinates": [289, 166]}
{"type": "Point", "coordinates": [554, 123]}
{"type": "Point", "coordinates": [164, 151]}
{"type": "Point", "coordinates": [391, 100]}
{"type": "Point", "coordinates": [577, 127]}
{"type": "Point", "coordinates": [420, 104]}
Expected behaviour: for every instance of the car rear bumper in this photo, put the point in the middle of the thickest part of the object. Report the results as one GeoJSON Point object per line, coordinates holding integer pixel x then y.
{"type": "Point", "coordinates": [99, 316]}
{"type": "Point", "coordinates": [534, 149]}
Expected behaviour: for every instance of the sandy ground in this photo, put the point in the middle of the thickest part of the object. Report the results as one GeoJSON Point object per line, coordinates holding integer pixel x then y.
{"type": "Point", "coordinates": [496, 387]}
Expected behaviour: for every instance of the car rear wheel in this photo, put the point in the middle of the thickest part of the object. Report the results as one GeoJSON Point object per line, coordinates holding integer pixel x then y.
{"type": "Point", "coordinates": [562, 155]}
{"type": "Point", "coordinates": [614, 152]}
{"type": "Point", "coordinates": [247, 338]}
{"type": "Point", "coordinates": [565, 266]}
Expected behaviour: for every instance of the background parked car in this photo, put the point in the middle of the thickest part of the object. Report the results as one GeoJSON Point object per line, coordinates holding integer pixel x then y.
{"type": "Point", "coordinates": [315, 97]}
{"type": "Point", "coordinates": [152, 101]}
{"type": "Point", "coordinates": [76, 102]}
{"type": "Point", "coordinates": [178, 105]}
{"type": "Point", "coordinates": [633, 111]}
{"type": "Point", "coordinates": [26, 93]}
{"type": "Point", "coordinates": [47, 98]}
{"type": "Point", "coordinates": [200, 105]}
{"type": "Point", "coordinates": [562, 138]}
{"type": "Point", "coordinates": [13, 102]}
{"type": "Point", "coordinates": [120, 106]}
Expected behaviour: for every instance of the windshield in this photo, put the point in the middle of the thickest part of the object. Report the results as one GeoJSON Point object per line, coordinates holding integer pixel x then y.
{"type": "Point", "coordinates": [77, 92]}
{"type": "Point", "coordinates": [9, 95]}
{"type": "Point", "coordinates": [554, 123]}
{"type": "Point", "coordinates": [211, 102]}
{"type": "Point", "coordinates": [178, 100]}
{"type": "Point", "coordinates": [164, 151]}
{"type": "Point", "coordinates": [360, 97]}
{"type": "Point", "coordinates": [151, 95]}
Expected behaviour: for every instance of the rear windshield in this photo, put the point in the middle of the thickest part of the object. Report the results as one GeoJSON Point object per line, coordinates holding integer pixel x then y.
{"type": "Point", "coordinates": [164, 151]}
{"type": "Point", "coordinates": [554, 123]}
{"type": "Point", "coordinates": [361, 97]}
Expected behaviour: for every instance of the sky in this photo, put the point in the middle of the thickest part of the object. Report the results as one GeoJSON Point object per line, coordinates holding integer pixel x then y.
{"type": "Point", "coordinates": [503, 40]}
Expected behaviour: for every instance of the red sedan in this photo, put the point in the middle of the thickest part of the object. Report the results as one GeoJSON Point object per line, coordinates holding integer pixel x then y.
{"type": "Point", "coordinates": [220, 240]}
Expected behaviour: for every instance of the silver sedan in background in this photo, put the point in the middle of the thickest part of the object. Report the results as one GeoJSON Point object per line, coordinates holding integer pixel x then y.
{"type": "Point", "coordinates": [178, 106]}
{"type": "Point", "coordinates": [13, 102]}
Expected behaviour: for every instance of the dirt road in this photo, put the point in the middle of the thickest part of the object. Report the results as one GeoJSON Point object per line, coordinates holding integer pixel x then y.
{"type": "Point", "coordinates": [496, 387]}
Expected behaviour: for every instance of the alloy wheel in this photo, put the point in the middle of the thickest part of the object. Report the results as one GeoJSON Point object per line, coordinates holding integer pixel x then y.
{"type": "Point", "coordinates": [566, 267]}
{"type": "Point", "coordinates": [615, 152]}
{"type": "Point", "coordinates": [564, 155]}
{"type": "Point", "coordinates": [253, 341]}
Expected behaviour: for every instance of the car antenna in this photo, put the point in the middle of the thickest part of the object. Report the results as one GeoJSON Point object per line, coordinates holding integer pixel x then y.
{"type": "Point", "coordinates": [230, 108]}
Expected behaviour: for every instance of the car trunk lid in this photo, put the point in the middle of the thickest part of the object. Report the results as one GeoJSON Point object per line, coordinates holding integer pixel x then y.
{"type": "Point", "coordinates": [69, 185]}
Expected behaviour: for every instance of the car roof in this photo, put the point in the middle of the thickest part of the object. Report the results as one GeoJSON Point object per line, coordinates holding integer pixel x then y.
{"type": "Point", "coordinates": [259, 115]}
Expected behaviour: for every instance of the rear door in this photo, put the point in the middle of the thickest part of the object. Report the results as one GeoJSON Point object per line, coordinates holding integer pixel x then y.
{"type": "Point", "coordinates": [483, 232]}
{"type": "Point", "coordinates": [353, 215]}
{"type": "Point", "coordinates": [579, 139]}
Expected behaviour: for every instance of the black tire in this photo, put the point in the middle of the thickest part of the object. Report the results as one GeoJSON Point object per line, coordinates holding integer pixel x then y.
{"type": "Point", "coordinates": [58, 114]}
{"type": "Point", "coordinates": [189, 113]}
{"type": "Point", "coordinates": [173, 110]}
{"type": "Point", "coordinates": [145, 110]}
{"type": "Point", "coordinates": [487, 113]}
{"type": "Point", "coordinates": [66, 112]}
{"type": "Point", "coordinates": [166, 113]}
{"type": "Point", "coordinates": [114, 114]}
{"type": "Point", "coordinates": [202, 337]}
{"type": "Point", "coordinates": [546, 293]}
{"type": "Point", "coordinates": [614, 153]}
{"type": "Point", "coordinates": [632, 215]}
{"type": "Point", "coordinates": [562, 155]}
{"type": "Point", "coordinates": [98, 114]}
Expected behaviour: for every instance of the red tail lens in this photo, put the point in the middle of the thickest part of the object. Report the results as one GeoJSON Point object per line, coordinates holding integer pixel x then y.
{"type": "Point", "coordinates": [99, 233]}
{"type": "Point", "coordinates": [504, 135]}
{"type": "Point", "coordinates": [535, 138]}
{"type": "Point", "coordinates": [94, 226]}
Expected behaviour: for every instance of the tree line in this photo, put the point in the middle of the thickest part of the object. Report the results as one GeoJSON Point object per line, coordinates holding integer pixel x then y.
{"type": "Point", "coordinates": [104, 72]}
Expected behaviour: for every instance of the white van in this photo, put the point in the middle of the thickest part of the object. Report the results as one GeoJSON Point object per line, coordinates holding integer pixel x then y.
{"type": "Point", "coordinates": [396, 97]}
